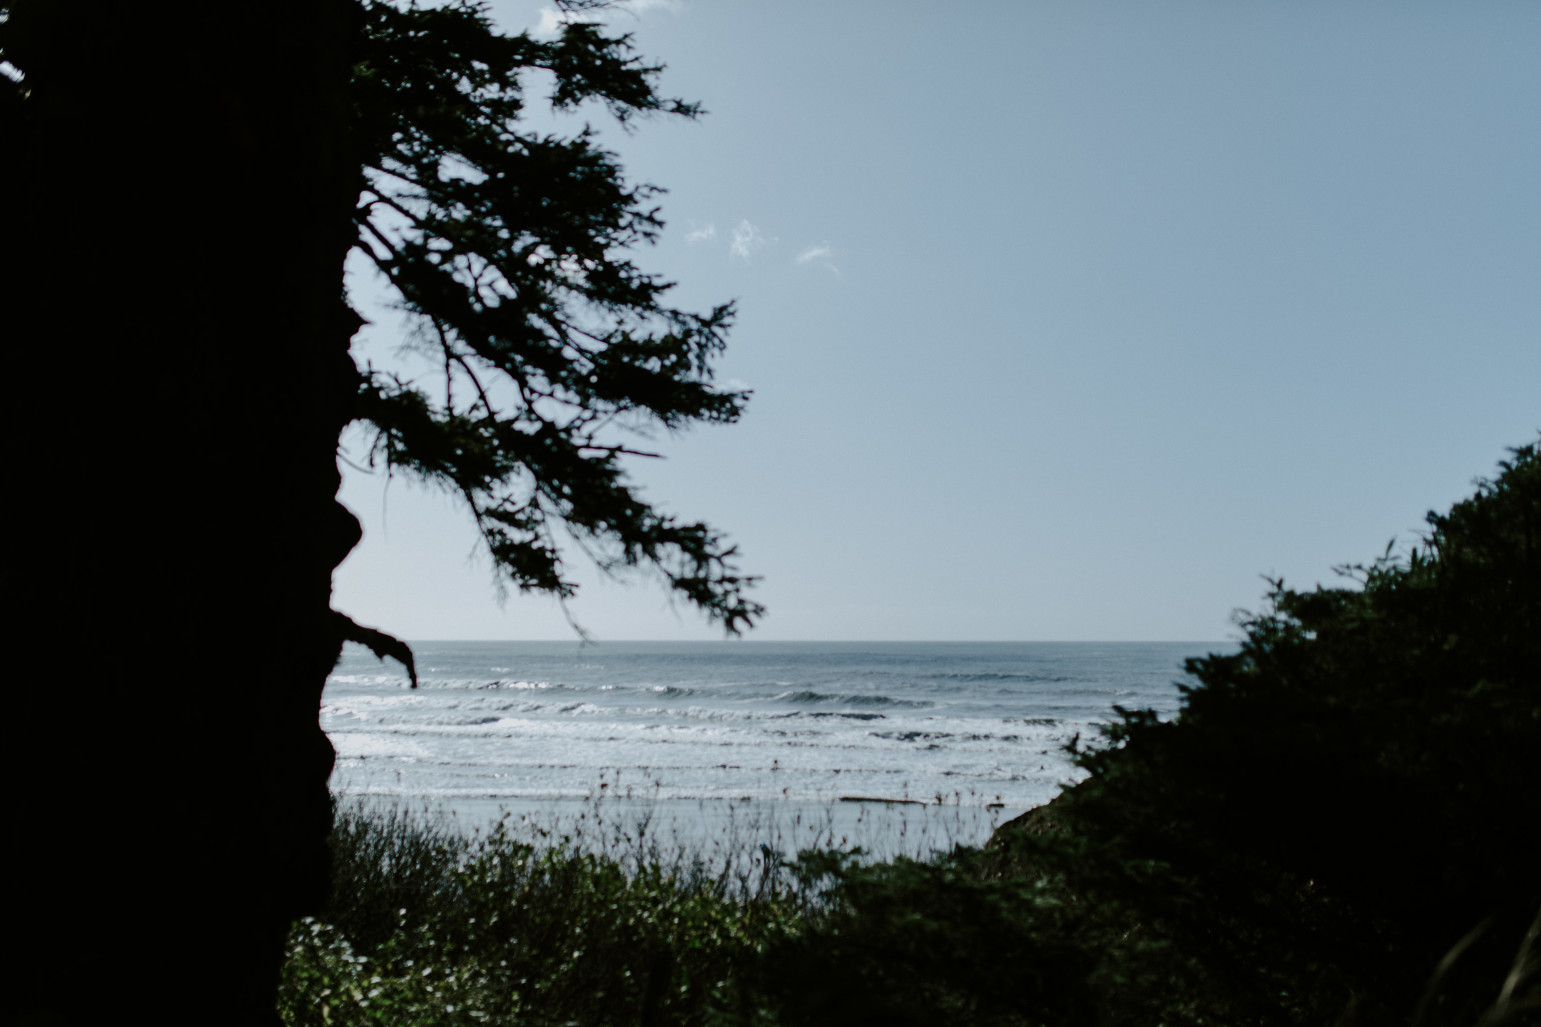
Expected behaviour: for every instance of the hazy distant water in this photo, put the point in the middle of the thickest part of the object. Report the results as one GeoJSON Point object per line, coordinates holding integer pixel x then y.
{"type": "Point", "coordinates": [764, 733]}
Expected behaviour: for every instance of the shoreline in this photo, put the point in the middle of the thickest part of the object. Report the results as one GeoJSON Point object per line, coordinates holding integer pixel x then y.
{"type": "Point", "coordinates": [719, 831]}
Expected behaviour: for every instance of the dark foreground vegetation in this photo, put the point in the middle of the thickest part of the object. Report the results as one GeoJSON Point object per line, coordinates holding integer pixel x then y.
{"type": "Point", "coordinates": [1337, 829]}
{"type": "Point", "coordinates": [341, 131]}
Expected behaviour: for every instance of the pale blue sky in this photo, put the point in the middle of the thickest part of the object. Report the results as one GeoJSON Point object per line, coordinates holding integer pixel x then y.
{"type": "Point", "coordinates": [1065, 320]}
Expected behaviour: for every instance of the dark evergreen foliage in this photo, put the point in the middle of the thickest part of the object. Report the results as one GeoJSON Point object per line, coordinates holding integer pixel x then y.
{"type": "Point", "coordinates": [1359, 786]}
{"type": "Point", "coordinates": [510, 247]}
{"type": "Point", "coordinates": [151, 156]}
{"type": "Point", "coordinates": [934, 942]}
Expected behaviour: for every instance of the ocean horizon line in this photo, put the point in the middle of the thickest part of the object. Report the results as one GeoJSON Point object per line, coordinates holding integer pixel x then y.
{"type": "Point", "coordinates": [831, 641]}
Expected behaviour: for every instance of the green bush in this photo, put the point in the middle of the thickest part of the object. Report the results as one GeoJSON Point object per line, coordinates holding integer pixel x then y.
{"type": "Point", "coordinates": [1347, 795]}
{"type": "Point", "coordinates": [936, 942]}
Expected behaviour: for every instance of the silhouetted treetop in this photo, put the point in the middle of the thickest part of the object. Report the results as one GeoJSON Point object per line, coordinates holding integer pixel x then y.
{"type": "Point", "coordinates": [510, 248]}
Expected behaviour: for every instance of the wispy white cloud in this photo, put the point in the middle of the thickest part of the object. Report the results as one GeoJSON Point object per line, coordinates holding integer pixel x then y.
{"type": "Point", "coordinates": [701, 233]}
{"type": "Point", "coordinates": [822, 254]}
{"type": "Point", "coordinates": [746, 239]}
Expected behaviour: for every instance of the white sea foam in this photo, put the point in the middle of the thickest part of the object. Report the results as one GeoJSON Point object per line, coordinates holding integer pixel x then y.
{"type": "Point", "coordinates": [785, 727]}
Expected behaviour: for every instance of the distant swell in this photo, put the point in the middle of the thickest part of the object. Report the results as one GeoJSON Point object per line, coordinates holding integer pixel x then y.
{"type": "Point", "coordinates": [1000, 676]}
{"type": "Point", "coordinates": [940, 736]}
{"type": "Point", "coordinates": [483, 684]}
{"type": "Point", "coordinates": [804, 696]}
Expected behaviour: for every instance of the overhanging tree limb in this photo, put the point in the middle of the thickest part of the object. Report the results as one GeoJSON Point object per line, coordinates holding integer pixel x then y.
{"type": "Point", "coordinates": [514, 247]}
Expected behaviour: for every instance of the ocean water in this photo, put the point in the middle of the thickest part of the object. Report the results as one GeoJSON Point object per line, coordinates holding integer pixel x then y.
{"type": "Point", "coordinates": [898, 747]}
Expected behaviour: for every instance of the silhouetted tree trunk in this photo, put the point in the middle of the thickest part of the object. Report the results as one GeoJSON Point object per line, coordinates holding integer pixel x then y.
{"type": "Point", "coordinates": [176, 213]}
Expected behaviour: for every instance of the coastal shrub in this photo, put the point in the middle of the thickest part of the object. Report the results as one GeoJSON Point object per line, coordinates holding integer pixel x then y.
{"type": "Point", "coordinates": [1354, 790]}
{"type": "Point", "coordinates": [923, 942]}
